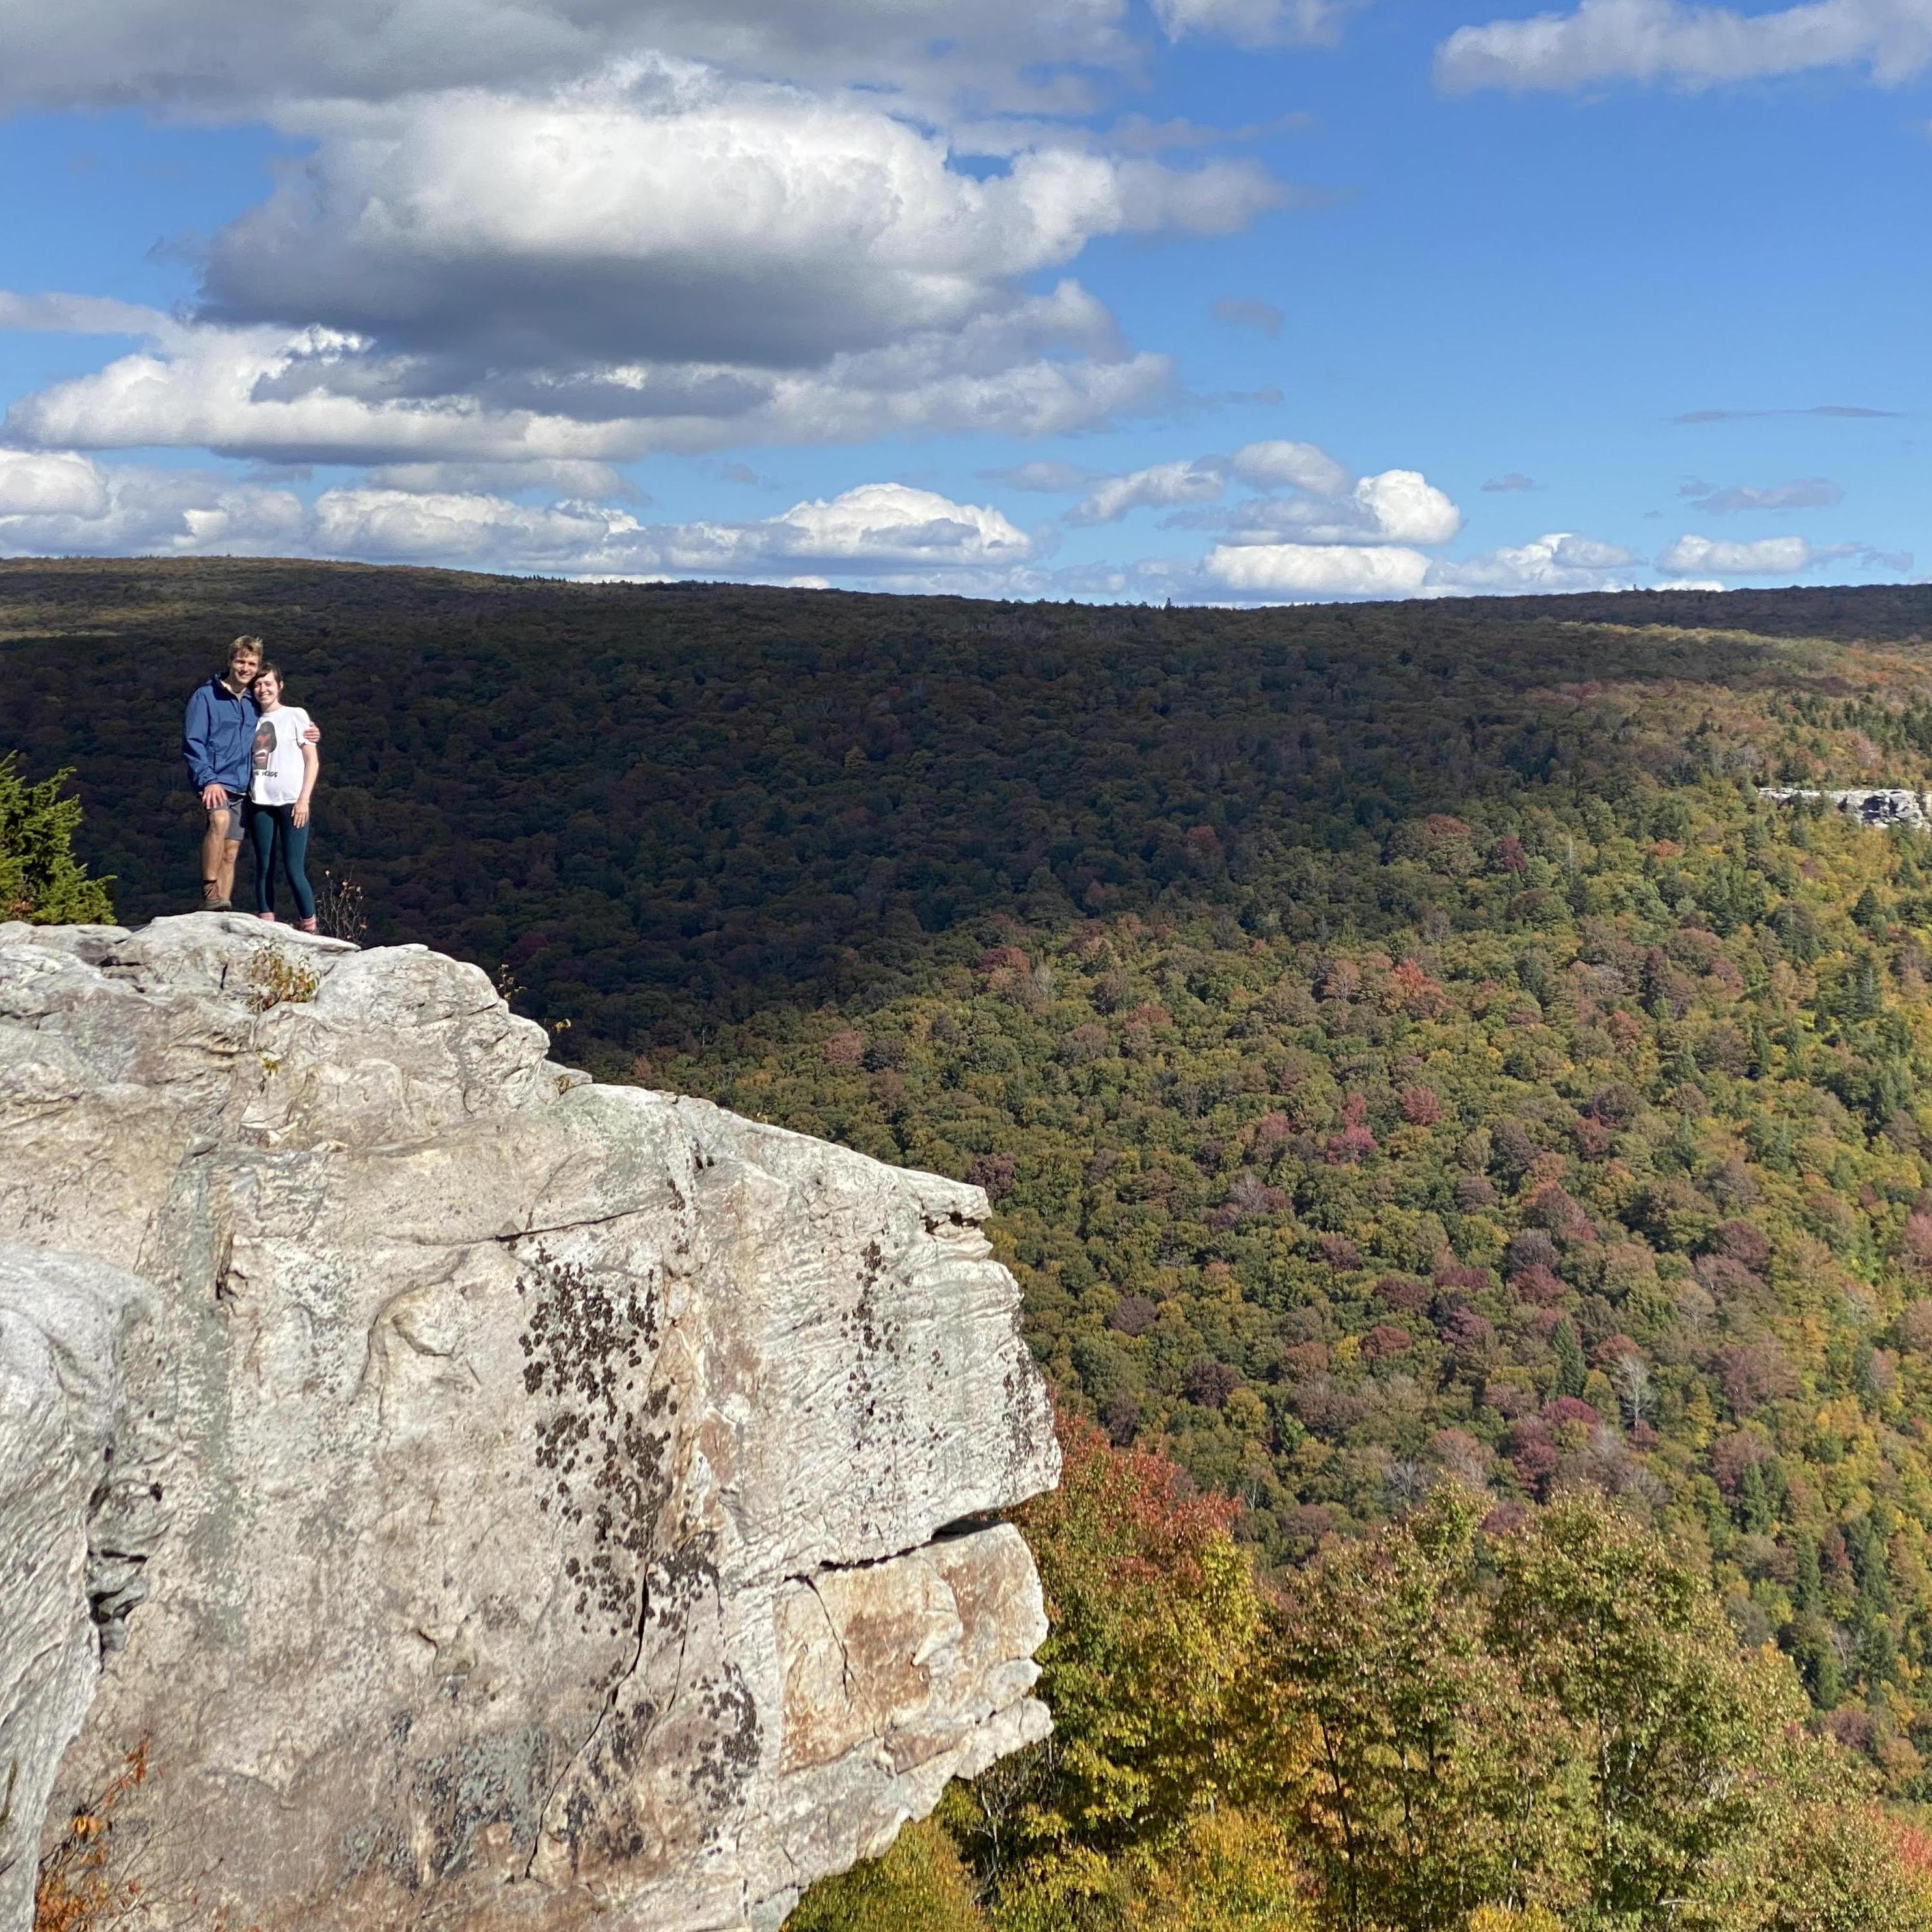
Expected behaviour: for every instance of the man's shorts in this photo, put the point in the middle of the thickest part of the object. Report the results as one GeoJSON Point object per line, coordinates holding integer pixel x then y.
{"type": "Point", "coordinates": [236, 814]}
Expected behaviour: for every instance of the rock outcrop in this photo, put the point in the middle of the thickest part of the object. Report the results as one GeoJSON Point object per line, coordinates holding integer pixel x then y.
{"type": "Point", "coordinates": [494, 1498]}
{"type": "Point", "coordinates": [62, 1412]}
{"type": "Point", "coordinates": [1890, 806]}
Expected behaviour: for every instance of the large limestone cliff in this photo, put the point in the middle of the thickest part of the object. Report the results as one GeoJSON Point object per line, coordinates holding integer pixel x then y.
{"type": "Point", "coordinates": [494, 1498]}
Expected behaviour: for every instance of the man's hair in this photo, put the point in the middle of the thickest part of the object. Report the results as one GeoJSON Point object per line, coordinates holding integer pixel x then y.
{"type": "Point", "coordinates": [245, 647]}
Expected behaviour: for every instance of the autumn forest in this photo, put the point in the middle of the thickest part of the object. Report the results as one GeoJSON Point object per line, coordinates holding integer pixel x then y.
{"type": "Point", "coordinates": [1466, 1153]}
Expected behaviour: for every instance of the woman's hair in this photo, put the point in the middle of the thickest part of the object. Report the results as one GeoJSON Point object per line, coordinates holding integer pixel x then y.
{"type": "Point", "coordinates": [267, 670]}
{"type": "Point", "coordinates": [245, 647]}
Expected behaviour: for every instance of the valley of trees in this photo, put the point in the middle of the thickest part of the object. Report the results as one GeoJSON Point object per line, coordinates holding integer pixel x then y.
{"type": "Point", "coordinates": [1468, 1159]}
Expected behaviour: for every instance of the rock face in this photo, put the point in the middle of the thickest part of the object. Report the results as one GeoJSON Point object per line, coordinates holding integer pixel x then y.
{"type": "Point", "coordinates": [510, 1498]}
{"type": "Point", "coordinates": [1885, 805]}
{"type": "Point", "coordinates": [61, 1413]}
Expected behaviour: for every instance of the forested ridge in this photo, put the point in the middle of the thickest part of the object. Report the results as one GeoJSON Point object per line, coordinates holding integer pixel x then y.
{"type": "Point", "coordinates": [1419, 1081]}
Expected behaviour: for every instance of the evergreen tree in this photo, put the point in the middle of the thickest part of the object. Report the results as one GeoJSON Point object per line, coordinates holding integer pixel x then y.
{"type": "Point", "coordinates": [41, 880]}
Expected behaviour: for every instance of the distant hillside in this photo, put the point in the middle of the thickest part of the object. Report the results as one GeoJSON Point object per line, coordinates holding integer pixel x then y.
{"type": "Point", "coordinates": [1395, 1039]}
{"type": "Point", "coordinates": [666, 806]}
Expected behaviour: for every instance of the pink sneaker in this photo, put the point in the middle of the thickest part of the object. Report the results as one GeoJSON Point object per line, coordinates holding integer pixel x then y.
{"type": "Point", "coordinates": [304, 925]}
{"type": "Point", "coordinates": [266, 918]}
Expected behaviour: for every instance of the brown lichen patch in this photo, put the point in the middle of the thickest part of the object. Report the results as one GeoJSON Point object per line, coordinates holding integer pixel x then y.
{"type": "Point", "coordinates": [601, 1428]}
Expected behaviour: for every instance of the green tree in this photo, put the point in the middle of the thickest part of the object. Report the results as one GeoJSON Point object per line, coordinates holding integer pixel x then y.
{"type": "Point", "coordinates": [1150, 1671]}
{"type": "Point", "coordinates": [41, 880]}
{"type": "Point", "coordinates": [921, 1885]}
{"type": "Point", "coordinates": [1429, 1786]}
{"type": "Point", "coordinates": [1680, 1741]}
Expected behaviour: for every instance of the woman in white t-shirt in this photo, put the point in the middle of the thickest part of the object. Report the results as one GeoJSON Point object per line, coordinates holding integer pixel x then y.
{"type": "Point", "coordinates": [281, 781]}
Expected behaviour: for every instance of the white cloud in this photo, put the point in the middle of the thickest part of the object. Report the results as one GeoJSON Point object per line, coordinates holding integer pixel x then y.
{"type": "Point", "coordinates": [67, 504]}
{"type": "Point", "coordinates": [560, 475]}
{"type": "Point", "coordinates": [1693, 46]}
{"type": "Point", "coordinates": [1160, 486]}
{"type": "Point", "coordinates": [1559, 561]}
{"type": "Point", "coordinates": [1396, 506]}
{"type": "Point", "coordinates": [61, 503]}
{"type": "Point", "coordinates": [879, 531]}
{"type": "Point", "coordinates": [1046, 365]}
{"type": "Point", "coordinates": [882, 524]}
{"type": "Point", "coordinates": [1316, 570]}
{"type": "Point", "coordinates": [1328, 505]}
{"type": "Point", "coordinates": [1292, 466]}
{"type": "Point", "coordinates": [1404, 507]}
{"type": "Point", "coordinates": [34, 484]}
{"type": "Point", "coordinates": [1768, 557]}
{"type": "Point", "coordinates": [1254, 23]}
{"type": "Point", "coordinates": [662, 213]}
{"type": "Point", "coordinates": [658, 255]}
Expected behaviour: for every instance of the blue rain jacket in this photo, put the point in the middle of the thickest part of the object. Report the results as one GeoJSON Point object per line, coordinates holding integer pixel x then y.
{"type": "Point", "coordinates": [217, 735]}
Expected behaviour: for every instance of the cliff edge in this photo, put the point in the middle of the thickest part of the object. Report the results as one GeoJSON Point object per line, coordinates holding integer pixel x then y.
{"type": "Point", "coordinates": [492, 1498]}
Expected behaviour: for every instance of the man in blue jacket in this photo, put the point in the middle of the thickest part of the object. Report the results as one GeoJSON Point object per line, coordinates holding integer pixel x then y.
{"type": "Point", "coordinates": [216, 737]}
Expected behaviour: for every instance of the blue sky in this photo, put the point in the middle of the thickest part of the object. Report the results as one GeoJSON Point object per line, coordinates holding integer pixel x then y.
{"type": "Point", "coordinates": [1231, 300]}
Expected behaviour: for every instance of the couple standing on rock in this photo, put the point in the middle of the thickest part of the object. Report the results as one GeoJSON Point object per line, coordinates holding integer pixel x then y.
{"type": "Point", "coordinates": [254, 763]}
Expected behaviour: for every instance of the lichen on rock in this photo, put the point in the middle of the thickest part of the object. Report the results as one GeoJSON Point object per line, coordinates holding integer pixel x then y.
{"type": "Point", "coordinates": [543, 1493]}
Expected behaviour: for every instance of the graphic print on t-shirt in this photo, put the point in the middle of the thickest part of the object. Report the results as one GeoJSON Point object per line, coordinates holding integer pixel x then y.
{"type": "Point", "coordinates": [276, 759]}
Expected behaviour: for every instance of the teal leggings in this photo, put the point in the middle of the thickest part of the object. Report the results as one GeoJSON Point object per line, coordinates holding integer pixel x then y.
{"type": "Point", "coordinates": [272, 830]}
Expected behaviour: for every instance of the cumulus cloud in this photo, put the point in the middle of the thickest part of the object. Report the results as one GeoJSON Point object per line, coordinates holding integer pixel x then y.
{"type": "Point", "coordinates": [34, 484]}
{"type": "Point", "coordinates": [662, 213]}
{"type": "Point", "coordinates": [1046, 365]}
{"type": "Point", "coordinates": [1404, 507]}
{"type": "Point", "coordinates": [1327, 504]}
{"type": "Point", "coordinates": [1159, 486]}
{"type": "Point", "coordinates": [65, 503]}
{"type": "Point", "coordinates": [1773, 556]}
{"type": "Point", "coordinates": [1560, 562]}
{"type": "Point", "coordinates": [1291, 466]}
{"type": "Point", "coordinates": [879, 529]}
{"type": "Point", "coordinates": [1316, 570]}
{"type": "Point", "coordinates": [1803, 492]}
{"type": "Point", "coordinates": [560, 476]}
{"type": "Point", "coordinates": [1768, 557]}
{"type": "Point", "coordinates": [1397, 506]}
{"type": "Point", "coordinates": [54, 503]}
{"type": "Point", "coordinates": [1693, 46]}
{"type": "Point", "coordinates": [654, 253]}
